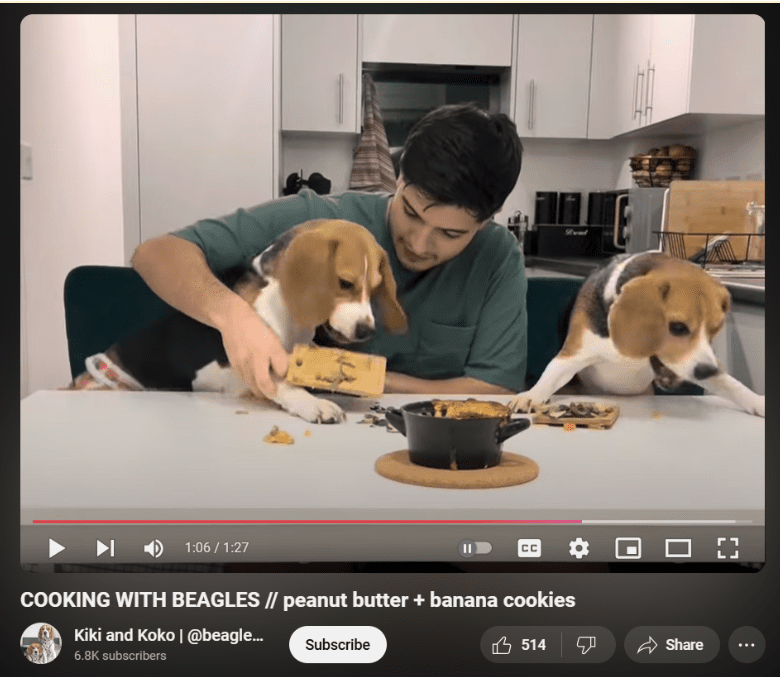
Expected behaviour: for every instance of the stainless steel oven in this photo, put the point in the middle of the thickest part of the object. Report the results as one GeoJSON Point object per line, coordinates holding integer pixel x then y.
{"type": "Point", "coordinates": [644, 210]}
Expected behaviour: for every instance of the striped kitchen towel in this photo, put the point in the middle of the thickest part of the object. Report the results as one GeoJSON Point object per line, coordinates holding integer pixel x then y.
{"type": "Point", "coordinates": [372, 169]}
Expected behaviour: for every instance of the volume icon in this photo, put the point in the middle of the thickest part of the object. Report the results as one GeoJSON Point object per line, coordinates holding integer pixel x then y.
{"type": "Point", "coordinates": [155, 548]}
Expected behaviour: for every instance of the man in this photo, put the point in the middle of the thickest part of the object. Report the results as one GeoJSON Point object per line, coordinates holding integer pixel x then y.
{"type": "Point", "coordinates": [460, 278]}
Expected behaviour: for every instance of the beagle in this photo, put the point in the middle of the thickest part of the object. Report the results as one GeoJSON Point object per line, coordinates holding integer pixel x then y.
{"type": "Point", "coordinates": [35, 654]}
{"type": "Point", "coordinates": [323, 273]}
{"type": "Point", "coordinates": [46, 638]}
{"type": "Point", "coordinates": [640, 319]}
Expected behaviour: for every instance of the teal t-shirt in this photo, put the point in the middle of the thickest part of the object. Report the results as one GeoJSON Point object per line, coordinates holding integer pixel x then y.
{"type": "Point", "coordinates": [467, 317]}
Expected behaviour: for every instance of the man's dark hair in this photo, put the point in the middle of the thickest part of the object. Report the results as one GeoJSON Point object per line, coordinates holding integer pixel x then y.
{"type": "Point", "coordinates": [463, 156]}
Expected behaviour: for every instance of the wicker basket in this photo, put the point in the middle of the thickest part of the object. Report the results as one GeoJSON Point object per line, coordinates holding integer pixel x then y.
{"type": "Point", "coordinates": [660, 168]}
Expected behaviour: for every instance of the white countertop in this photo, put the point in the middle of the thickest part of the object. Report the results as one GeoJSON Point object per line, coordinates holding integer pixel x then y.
{"type": "Point", "coordinates": [157, 455]}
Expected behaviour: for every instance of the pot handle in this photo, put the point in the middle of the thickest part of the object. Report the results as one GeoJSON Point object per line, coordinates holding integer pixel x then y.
{"type": "Point", "coordinates": [512, 428]}
{"type": "Point", "coordinates": [397, 419]}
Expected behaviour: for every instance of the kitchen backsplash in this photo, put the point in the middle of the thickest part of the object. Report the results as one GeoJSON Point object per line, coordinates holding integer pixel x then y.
{"type": "Point", "coordinates": [561, 165]}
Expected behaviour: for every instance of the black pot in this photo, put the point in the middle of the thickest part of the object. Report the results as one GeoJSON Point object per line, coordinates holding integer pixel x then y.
{"type": "Point", "coordinates": [467, 444]}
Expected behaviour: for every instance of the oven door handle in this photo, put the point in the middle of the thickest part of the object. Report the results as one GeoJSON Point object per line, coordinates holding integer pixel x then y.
{"type": "Point", "coordinates": [617, 222]}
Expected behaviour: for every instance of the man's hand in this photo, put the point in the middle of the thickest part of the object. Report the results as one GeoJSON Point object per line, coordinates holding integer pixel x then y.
{"type": "Point", "coordinates": [254, 351]}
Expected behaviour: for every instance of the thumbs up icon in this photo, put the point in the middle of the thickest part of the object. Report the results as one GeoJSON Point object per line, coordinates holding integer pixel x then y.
{"type": "Point", "coordinates": [502, 646]}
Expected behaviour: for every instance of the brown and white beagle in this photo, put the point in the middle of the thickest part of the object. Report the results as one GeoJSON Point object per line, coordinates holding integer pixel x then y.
{"type": "Point", "coordinates": [46, 638]}
{"type": "Point", "coordinates": [35, 653]}
{"type": "Point", "coordinates": [640, 319]}
{"type": "Point", "coordinates": [323, 273]}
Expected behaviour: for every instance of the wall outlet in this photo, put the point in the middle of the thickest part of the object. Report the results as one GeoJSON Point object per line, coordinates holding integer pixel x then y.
{"type": "Point", "coordinates": [26, 161]}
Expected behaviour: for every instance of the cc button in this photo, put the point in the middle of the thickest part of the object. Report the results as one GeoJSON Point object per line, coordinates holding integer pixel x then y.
{"type": "Point", "coordinates": [338, 644]}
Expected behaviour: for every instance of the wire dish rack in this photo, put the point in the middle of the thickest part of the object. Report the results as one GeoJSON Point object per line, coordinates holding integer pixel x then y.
{"type": "Point", "coordinates": [724, 254]}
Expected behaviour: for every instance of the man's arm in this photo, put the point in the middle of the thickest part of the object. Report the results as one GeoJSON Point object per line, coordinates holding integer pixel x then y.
{"type": "Point", "coordinates": [177, 271]}
{"type": "Point", "coordinates": [463, 385]}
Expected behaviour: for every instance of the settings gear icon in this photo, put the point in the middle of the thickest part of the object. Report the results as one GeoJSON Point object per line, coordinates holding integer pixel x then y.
{"type": "Point", "coordinates": [578, 548]}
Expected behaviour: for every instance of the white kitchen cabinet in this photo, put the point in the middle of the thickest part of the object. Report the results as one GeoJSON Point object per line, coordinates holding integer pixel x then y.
{"type": "Point", "coordinates": [632, 39]}
{"type": "Point", "coordinates": [553, 75]}
{"type": "Point", "coordinates": [727, 65]}
{"type": "Point", "coordinates": [320, 73]}
{"type": "Point", "coordinates": [197, 116]}
{"type": "Point", "coordinates": [449, 39]}
{"type": "Point", "coordinates": [669, 65]}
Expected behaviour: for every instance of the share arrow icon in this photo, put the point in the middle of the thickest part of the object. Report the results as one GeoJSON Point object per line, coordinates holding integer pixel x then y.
{"type": "Point", "coordinates": [650, 645]}
{"type": "Point", "coordinates": [54, 548]}
{"type": "Point", "coordinates": [102, 547]}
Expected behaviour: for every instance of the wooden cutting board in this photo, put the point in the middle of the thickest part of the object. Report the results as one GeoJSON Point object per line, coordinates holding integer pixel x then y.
{"type": "Point", "coordinates": [715, 207]}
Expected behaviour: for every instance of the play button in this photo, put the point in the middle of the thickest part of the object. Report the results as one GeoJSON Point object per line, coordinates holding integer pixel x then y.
{"type": "Point", "coordinates": [55, 548]}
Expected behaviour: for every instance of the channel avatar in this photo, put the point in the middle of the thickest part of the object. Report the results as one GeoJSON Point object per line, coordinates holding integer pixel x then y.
{"type": "Point", "coordinates": [41, 643]}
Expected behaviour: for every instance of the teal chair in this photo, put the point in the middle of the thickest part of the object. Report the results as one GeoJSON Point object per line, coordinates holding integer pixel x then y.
{"type": "Point", "coordinates": [103, 305]}
{"type": "Point", "coordinates": [547, 299]}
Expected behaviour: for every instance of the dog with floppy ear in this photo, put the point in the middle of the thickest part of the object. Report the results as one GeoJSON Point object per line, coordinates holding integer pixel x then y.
{"type": "Point", "coordinates": [644, 318]}
{"type": "Point", "coordinates": [350, 270]}
{"type": "Point", "coordinates": [35, 653]}
{"type": "Point", "coordinates": [322, 273]}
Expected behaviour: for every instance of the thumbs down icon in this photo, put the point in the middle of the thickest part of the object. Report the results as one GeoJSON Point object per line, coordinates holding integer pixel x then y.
{"type": "Point", "coordinates": [502, 646]}
{"type": "Point", "coordinates": [586, 644]}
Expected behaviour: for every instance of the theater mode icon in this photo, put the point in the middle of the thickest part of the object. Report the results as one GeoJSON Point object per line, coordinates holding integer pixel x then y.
{"type": "Point", "coordinates": [678, 547]}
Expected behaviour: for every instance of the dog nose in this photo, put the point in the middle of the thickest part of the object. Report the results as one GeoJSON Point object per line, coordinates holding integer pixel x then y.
{"type": "Point", "coordinates": [704, 371]}
{"type": "Point", "coordinates": [363, 331]}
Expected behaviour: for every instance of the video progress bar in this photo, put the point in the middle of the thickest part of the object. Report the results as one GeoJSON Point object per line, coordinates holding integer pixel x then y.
{"type": "Point", "coordinates": [681, 522]}
{"type": "Point", "coordinates": [312, 521]}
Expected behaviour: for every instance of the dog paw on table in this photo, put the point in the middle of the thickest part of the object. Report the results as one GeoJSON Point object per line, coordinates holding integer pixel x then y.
{"type": "Point", "coordinates": [527, 402]}
{"type": "Point", "coordinates": [310, 408]}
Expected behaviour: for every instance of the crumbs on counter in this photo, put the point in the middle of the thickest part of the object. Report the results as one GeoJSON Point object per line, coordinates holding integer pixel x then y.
{"type": "Point", "coordinates": [277, 436]}
{"type": "Point", "coordinates": [657, 415]}
{"type": "Point", "coordinates": [241, 411]}
{"type": "Point", "coordinates": [594, 415]}
{"type": "Point", "coordinates": [576, 410]}
{"type": "Point", "coordinates": [307, 433]}
{"type": "Point", "coordinates": [374, 421]}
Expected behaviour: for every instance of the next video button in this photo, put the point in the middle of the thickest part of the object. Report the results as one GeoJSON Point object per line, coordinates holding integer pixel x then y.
{"type": "Point", "coordinates": [338, 644]}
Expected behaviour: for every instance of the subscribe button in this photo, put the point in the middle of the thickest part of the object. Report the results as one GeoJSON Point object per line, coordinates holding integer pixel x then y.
{"type": "Point", "coordinates": [338, 644]}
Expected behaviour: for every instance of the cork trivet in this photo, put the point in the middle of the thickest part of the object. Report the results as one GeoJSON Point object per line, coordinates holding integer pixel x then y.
{"type": "Point", "coordinates": [513, 469]}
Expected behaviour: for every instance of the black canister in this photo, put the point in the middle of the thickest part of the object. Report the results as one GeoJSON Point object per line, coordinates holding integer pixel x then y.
{"type": "Point", "coordinates": [596, 208]}
{"type": "Point", "coordinates": [569, 209]}
{"type": "Point", "coordinates": [546, 207]}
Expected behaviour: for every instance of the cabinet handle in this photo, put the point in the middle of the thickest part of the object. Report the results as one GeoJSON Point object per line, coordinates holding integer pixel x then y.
{"type": "Point", "coordinates": [650, 94]}
{"type": "Point", "coordinates": [531, 102]}
{"type": "Point", "coordinates": [341, 98]}
{"type": "Point", "coordinates": [638, 94]}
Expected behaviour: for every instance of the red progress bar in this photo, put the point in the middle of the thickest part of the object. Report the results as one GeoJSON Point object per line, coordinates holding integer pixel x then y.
{"type": "Point", "coordinates": [307, 521]}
